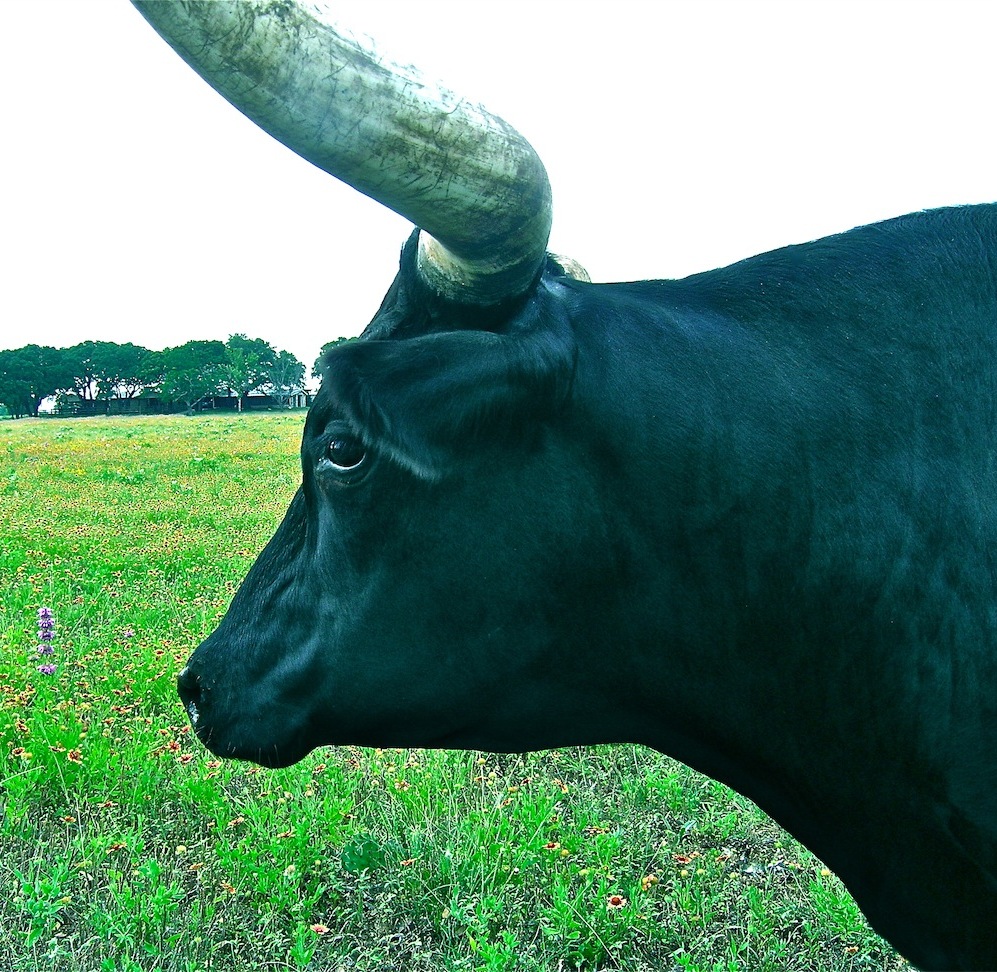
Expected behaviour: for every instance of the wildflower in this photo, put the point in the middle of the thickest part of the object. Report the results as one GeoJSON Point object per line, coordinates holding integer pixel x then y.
{"type": "Point", "coordinates": [319, 928]}
{"type": "Point", "coordinates": [46, 635]}
{"type": "Point", "coordinates": [74, 756]}
{"type": "Point", "coordinates": [615, 901]}
{"type": "Point", "coordinates": [128, 633]}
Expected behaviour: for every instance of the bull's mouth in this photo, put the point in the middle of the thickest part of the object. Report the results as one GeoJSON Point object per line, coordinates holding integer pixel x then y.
{"type": "Point", "coordinates": [189, 690]}
{"type": "Point", "coordinates": [190, 699]}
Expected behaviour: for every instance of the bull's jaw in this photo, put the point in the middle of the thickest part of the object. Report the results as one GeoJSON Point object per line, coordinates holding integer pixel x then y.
{"type": "Point", "coordinates": [240, 739]}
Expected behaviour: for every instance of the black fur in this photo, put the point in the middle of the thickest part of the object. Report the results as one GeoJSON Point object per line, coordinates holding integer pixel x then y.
{"type": "Point", "coordinates": [748, 518]}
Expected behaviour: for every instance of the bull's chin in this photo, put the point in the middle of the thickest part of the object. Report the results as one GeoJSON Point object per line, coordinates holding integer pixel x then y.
{"type": "Point", "coordinates": [272, 755]}
{"type": "Point", "coordinates": [281, 748]}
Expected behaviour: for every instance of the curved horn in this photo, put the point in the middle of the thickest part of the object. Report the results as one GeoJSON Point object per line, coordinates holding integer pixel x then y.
{"type": "Point", "coordinates": [469, 181]}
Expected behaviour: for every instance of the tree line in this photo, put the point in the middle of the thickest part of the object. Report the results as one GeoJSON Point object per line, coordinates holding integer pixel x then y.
{"type": "Point", "coordinates": [184, 375]}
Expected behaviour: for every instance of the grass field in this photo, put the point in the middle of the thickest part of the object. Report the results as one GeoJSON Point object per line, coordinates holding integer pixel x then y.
{"type": "Point", "coordinates": [124, 845]}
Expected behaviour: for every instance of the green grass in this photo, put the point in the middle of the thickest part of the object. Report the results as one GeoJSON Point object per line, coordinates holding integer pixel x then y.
{"type": "Point", "coordinates": [126, 846]}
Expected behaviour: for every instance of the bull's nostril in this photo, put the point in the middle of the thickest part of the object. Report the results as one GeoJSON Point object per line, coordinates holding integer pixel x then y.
{"type": "Point", "coordinates": [189, 689]}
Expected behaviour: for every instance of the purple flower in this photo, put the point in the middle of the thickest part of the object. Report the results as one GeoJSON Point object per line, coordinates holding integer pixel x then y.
{"type": "Point", "coordinates": [46, 635]}
{"type": "Point", "coordinates": [128, 633]}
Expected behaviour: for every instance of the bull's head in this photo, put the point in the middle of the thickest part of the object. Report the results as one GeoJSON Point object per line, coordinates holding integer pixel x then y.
{"type": "Point", "coordinates": [408, 587]}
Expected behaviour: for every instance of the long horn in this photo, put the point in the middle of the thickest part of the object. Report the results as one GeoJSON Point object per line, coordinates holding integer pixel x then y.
{"type": "Point", "coordinates": [472, 184]}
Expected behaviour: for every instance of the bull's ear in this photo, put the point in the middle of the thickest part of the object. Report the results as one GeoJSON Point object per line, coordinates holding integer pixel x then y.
{"type": "Point", "coordinates": [423, 400]}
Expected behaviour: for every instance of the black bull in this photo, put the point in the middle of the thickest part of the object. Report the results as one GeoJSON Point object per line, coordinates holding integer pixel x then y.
{"type": "Point", "coordinates": [534, 509]}
{"type": "Point", "coordinates": [773, 483]}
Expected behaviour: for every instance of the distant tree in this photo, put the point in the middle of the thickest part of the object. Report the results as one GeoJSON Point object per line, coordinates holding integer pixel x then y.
{"type": "Point", "coordinates": [192, 371]}
{"type": "Point", "coordinates": [151, 371]}
{"type": "Point", "coordinates": [247, 364]}
{"type": "Point", "coordinates": [105, 369]}
{"type": "Point", "coordinates": [15, 390]}
{"type": "Point", "coordinates": [285, 377]}
{"type": "Point", "coordinates": [29, 375]}
{"type": "Point", "coordinates": [82, 359]}
{"type": "Point", "coordinates": [317, 368]}
{"type": "Point", "coordinates": [118, 369]}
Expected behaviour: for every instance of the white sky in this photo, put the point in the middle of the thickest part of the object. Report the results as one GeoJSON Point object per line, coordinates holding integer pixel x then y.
{"type": "Point", "coordinates": [136, 205]}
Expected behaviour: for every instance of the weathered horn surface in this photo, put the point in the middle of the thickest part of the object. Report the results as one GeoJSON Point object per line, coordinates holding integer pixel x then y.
{"type": "Point", "coordinates": [469, 181]}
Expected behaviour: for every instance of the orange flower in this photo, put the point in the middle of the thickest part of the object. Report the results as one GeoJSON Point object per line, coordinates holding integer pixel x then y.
{"type": "Point", "coordinates": [319, 928]}
{"type": "Point", "coordinates": [615, 902]}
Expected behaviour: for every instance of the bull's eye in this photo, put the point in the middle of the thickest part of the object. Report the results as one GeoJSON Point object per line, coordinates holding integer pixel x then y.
{"type": "Point", "coordinates": [346, 452]}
